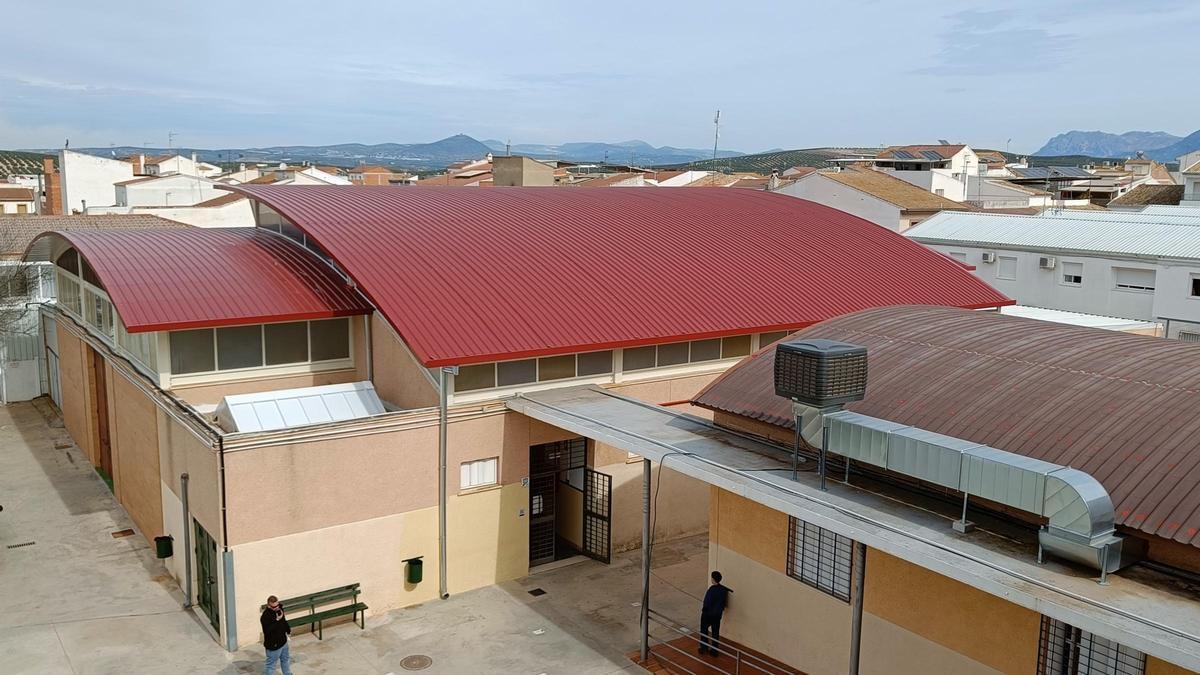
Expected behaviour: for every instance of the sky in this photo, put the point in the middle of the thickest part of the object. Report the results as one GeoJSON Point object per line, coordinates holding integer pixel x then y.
{"type": "Point", "coordinates": [784, 75]}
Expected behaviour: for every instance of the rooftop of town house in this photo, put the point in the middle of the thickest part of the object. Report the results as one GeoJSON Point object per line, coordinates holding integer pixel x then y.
{"type": "Point", "coordinates": [185, 277]}
{"type": "Point", "coordinates": [472, 276]}
{"type": "Point", "coordinates": [891, 190]}
{"type": "Point", "coordinates": [1103, 232]}
{"type": "Point", "coordinates": [920, 153]}
{"type": "Point", "coordinates": [1145, 195]}
{"type": "Point", "coordinates": [1117, 406]}
{"type": "Point", "coordinates": [20, 231]}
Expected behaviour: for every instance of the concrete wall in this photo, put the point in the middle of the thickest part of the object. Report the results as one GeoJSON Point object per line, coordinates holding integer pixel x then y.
{"type": "Point", "coordinates": [90, 179]}
{"type": "Point", "coordinates": [914, 621]}
{"type": "Point", "coordinates": [822, 190]}
{"type": "Point", "coordinates": [235, 214]}
{"type": "Point", "coordinates": [169, 191]}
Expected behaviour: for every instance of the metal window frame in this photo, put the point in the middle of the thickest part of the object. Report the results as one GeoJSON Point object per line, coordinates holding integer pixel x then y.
{"type": "Point", "coordinates": [820, 558]}
{"type": "Point", "coordinates": [1066, 650]}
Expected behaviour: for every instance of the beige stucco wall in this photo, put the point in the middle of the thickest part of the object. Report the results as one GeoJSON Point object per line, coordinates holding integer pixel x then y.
{"type": "Point", "coordinates": [399, 379]}
{"type": "Point", "coordinates": [134, 435]}
{"type": "Point", "coordinates": [487, 543]}
{"type": "Point", "coordinates": [180, 451]}
{"type": "Point", "coordinates": [1159, 667]}
{"type": "Point", "coordinates": [914, 620]}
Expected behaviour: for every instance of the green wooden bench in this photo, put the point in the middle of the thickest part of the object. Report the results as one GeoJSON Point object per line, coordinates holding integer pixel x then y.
{"type": "Point", "coordinates": [314, 619]}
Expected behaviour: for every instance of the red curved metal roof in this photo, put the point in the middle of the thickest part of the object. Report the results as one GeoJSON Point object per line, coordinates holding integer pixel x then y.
{"type": "Point", "coordinates": [1121, 407]}
{"type": "Point", "coordinates": [470, 276]}
{"type": "Point", "coordinates": [175, 278]}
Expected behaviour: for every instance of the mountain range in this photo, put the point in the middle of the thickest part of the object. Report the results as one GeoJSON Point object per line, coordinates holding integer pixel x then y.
{"type": "Point", "coordinates": [427, 156]}
{"type": "Point", "coordinates": [1158, 145]}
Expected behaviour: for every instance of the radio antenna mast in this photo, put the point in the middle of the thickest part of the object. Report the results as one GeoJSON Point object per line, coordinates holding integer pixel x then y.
{"type": "Point", "coordinates": [716, 134]}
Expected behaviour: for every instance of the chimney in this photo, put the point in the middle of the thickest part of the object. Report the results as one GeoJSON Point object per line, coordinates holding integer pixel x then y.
{"type": "Point", "coordinates": [193, 158]}
{"type": "Point", "coordinates": [53, 188]}
{"type": "Point", "coordinates": [242, 166]}
{"type": "Point", "coordinates": [139, 164]}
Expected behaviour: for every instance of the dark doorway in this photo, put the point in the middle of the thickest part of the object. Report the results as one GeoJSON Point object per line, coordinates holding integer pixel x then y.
{"type": "Point", "coordinates": [100, 411]}
{"type": "Point", "coordinates": [206, 576]}
{"type": "Point", "coordinates": [559, 507]}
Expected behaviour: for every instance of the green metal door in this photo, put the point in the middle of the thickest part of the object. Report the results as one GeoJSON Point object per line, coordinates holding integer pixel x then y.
{"type": "Point", "coordinates": [206, 576]}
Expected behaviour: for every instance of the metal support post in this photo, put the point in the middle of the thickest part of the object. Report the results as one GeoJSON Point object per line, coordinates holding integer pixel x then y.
{"type": "Point", "coordinates": [962, 524]}
{"type": "Point", "coordinates": [1104, 565]}
{"type": "Point", "coordinates": [860, 565]}
{"type": "Point", "coordinates": [821, 461]}
{"type": "Point", "coordinates": [796, 451]}
{"type": "Point", "coordinates": [187, 542]}
{"type": "Point", "coordinates": [645, 620]}
{"type": "Point", "coordinates": [444, 375]}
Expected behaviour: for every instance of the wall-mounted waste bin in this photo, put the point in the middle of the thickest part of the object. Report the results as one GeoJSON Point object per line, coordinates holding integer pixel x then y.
{"type": "Point", "coordinates": [164, 546]}
{"type": "Point", "coordinates": [416, 570]}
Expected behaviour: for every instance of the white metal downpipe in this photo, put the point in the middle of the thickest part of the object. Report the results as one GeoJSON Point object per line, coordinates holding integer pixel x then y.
{"type": "Point", "coordinates": [187, 541]}
{"type": "Point", "coordinates": [445, 377]}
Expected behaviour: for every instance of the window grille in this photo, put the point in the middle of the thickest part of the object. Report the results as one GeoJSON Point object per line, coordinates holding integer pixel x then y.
{"type": "Point", "coordinates": [819, 558]}
{"type": "Point", "coordinates": [1067, 650]}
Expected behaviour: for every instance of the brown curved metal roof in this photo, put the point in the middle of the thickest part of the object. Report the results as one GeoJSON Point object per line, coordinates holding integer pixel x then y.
{"type": "Point", "coordinates": [1121, 407]}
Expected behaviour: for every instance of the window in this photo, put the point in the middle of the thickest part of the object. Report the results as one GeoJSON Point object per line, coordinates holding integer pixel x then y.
{"type": "Point", "coordinates": [767, 338]}
{"type": "Point", "coordinates": [479, 473]}
{"type": "Point", "coordinates": [68, 294]}
{"type": "Point", "coordinates": [69, 261]}
{"type": "Point", "coordinates": [939, 192]}
{"type": "Point", "coordinates": [819, 558]}
{"type": "Point", "coordinates": [959, 256]}
{"type": "Point", "coordinates": [1006, 267]}
{"type": "Point", "coordinates": [192, 351]}
{"type": "Point", "coordinates": [479, 376]}
{"type": "Point", "coordinates": [285, 343]}
{"type": "Point", "coordinates": [595, 363]}
{"type": "Point", "coordinates": [639, 358]}
{"type": "Point", "coordinates": [239, 347]}
{"type": "Point", "coordinates": [1196, 287]}
{"type": "Point", "coordinates": [738, 345]}
{"type": "Point", "coordinates": [706, 350]}
{"type": "Point", "coordinates": [329, 339]}
{"type": "Point", "coordinates": [509, 373]}
{"type": "Point", "coordinates": [556, 367]}
{"type": "Point", "coordinates": [1066, 650]}
{"type": "Point", "coordinates": [1185, 336]}
{"type": "Point", "coordinates": [672, 354]}
{"type": "Point", "coordinates": [1072, 273]}
{"type": "Point", "coordinates": [1133, 279]}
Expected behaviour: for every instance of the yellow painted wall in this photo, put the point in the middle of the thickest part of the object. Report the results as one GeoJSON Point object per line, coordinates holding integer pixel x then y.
{"type": "Point", "coordinates": [487, 543]}
{"type": "Point", "coordinates": [134, 434]}
{"type": "Point", "coordinates": [568, 514]}
{"type": "Point", "coordinates": [949, 613]}
{"type": "Point", "coordinates": [1159, 667]}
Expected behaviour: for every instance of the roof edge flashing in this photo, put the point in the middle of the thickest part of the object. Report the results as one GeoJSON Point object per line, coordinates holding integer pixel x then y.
{"type": "Point", "coordinates": [1079, 510]}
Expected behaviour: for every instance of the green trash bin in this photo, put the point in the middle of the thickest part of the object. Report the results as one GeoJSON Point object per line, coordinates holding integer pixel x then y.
{"type": "Point", "coordinates": [416, 570]}
{"type": "Point", "coordinates": [164, 546]}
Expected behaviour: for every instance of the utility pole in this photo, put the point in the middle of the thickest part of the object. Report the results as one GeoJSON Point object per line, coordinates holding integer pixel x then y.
{"type": "Point", "coordinates": [716, 135]}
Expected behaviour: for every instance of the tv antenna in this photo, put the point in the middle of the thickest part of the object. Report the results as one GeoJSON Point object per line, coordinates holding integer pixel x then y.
{"type": "Point", "coordinates": [171, 139]}
{"type": "Point", "coordinates": [716, 134]}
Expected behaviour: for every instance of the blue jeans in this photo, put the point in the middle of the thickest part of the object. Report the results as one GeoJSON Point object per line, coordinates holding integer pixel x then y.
{"type": "Point", "coordinates": [281, 656]}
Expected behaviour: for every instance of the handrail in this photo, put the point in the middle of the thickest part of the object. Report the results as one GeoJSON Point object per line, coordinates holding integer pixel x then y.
{"type": "Point", "coordinates": [741, 657]}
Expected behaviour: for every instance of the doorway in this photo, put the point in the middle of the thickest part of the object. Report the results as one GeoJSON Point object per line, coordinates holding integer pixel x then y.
{"type": "Point", "coordinates": [99, 386]}
{"type": "Point", "coordinates": [206, 576]}
{"type": "Point", "coordinates": [570, 505]}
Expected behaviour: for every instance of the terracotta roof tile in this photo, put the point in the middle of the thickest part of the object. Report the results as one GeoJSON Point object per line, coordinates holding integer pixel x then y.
{"type": "Point", "coordinates": [893, 190]}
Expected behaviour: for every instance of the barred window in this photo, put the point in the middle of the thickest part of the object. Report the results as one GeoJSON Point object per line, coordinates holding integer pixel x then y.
{"type": "Point", "coordinates": [1067, 650]}
{"type": "Point", "coordinates": [819, 558]}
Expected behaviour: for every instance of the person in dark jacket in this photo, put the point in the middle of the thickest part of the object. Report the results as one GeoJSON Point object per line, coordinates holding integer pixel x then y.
{"type": "Point", "coordinates": [275, 630]}
{"type": "Point", "coordinates": [715, 600]}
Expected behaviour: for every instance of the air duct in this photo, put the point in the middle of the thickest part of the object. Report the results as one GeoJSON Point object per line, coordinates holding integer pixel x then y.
{"type": "Point", "coordinates": [819, 375]}
{"type": "Point", "coordinates": [1078, 509]}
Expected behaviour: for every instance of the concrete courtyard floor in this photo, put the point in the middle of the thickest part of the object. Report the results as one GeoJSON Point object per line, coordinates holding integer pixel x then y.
{"type": "Point", "coordinates": [78, 600]}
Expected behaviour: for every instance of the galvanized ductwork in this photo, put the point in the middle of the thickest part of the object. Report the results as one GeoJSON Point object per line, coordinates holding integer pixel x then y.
{"type": "Point", "coordinates": [1078, 508]}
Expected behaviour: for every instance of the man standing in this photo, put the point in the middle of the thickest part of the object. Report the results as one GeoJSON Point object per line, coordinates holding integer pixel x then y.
{"type": "Point", "coordinates": [275, 630]}
{"type": "Point", "coordinates": [715, 600]}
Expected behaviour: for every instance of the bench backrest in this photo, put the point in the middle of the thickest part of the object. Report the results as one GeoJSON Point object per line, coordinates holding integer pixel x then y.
{"type": "Point", "coordinates": [318, 598]}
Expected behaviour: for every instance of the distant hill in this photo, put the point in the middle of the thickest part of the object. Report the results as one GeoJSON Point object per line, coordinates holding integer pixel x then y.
{"type": "Point", "coordinates": [16, 162]}
{"type": "Point", "coordinates": [1103, 144]}
{"type": "Point", "coordinates": [416, 156]}
{"type": "Point", "coordinates": [627, 152]}
{"type": "Point", "coordinates": [780, 160]}
{"type": "Point", "coordinates": [1172, 152]}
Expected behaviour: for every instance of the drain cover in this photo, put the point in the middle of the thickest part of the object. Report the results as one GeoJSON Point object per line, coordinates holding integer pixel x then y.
{"type": "Point", "coordinates": [122, 533]}
{"type": "Point", "coordinates": [536, 592]}
{"type": "Point", "coordinates": [416, 662]}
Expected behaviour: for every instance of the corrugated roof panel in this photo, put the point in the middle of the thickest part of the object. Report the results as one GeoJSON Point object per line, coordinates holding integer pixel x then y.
{"type": "Point", "coordinates": [1120, 407]}
{"type": "Point", "coordinates": [168, 279]}
{"type": "Point", "coordinates": [288, 408]}
{"type": "Point", "coordinates": [470, 276]}
{"type": "Point", "coordinates": [1108, 234]}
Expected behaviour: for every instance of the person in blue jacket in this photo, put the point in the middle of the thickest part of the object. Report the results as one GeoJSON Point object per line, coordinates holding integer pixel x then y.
{"type": "Point", "coordinates": [716, 598]}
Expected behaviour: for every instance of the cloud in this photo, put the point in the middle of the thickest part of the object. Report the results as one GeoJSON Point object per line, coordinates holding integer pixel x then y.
{"type": "Point", "coordinates": [997, 42]}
